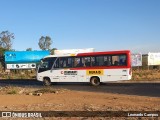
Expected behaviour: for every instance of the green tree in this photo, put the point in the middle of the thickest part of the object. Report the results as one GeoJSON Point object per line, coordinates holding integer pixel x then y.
{"type": "Point", "coordinates": [45, 43]}
{"type": "Point", "coordinates": [2, 62]}
{"type": "Point", "coordinates": [2, 50]}
{"type": "Point", "coordinates": [6, 40]}
{"type": "Point", "coordinates": [29, 49]}
{"type": "Point", "coordinates": [52, 51]}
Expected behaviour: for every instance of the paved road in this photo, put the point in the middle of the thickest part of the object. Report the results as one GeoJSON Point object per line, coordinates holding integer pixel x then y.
{"type": "Point", "coordinates": [140, 89]}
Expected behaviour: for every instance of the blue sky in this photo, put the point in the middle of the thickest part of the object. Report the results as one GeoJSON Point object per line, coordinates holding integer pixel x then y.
{"type": "Point", "coordinates": [100, 24]}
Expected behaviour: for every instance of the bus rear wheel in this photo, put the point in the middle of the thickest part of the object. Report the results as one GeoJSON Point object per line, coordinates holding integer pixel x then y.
{"type": "Point", "coordinates": [95, 81]}
{"type": "Point", "coordinates": [46, 81]}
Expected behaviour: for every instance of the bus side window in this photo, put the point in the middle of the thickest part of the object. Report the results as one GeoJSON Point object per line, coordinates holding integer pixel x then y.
{"type": "Point", "coordinates": [99, 61]}
{"type": "Point", "coordinates": [122, 60]}
{"type": "Point", "coordinates": [61, 63]}
{"type": "Point", "coordinates": [77, 62]}
{"type": "Point", "coordinates": [93, 62]}
{"type": "Point", "coordinates": [56, 64]}
{"type": "Point", "coordinates": [107, 60]}
{"type": "Point", "coordinates": [116, 63]}
{"type": "Point", "coordinates": [86, 62]}
{"type": "Point", "coordinates": [125, 62]}
{"type": "Point", "coordinates": [115, 60]}
{"type": "Point", "coordinates": [70, 62]}
{"type": "Point", "coordinates": [64, 62]}
{"type": "Point", "coordinates": [119, 60]}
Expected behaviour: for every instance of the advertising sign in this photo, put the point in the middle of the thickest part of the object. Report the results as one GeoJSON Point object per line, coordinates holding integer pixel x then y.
{"type": "Point", "coordinates": [94, 72]}
{"type": "Point", "coordinates": [24, 56]}
{"type": "Point", "coordinates": [21, 66]}
{"type": "Point", "coordinates": [153, 58]}
{"type": "Point", "coordinates": [23, 59]}
{"type": "Point", "coordinates": [136, 59]}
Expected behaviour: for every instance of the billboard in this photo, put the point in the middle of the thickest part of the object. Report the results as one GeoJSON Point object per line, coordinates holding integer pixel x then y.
{"type": "Point", "coordinates": [136, 59]}
{"type": "Point", "coordinates": [24, 56]}
{"type": "Point", "coordinates": [153, 58]}
{"type": "Point", "coordinates": [23, 59]}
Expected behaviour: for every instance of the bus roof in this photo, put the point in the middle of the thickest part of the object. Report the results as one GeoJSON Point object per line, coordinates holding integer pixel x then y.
{"type": "Point", "coordinates": [91, 53]}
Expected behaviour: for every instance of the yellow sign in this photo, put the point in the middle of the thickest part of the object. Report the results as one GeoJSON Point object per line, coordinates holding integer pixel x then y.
{"type": "Point", "coordinates": [72, 55]}
{"type": "Point", "coordinates": [94, 72]}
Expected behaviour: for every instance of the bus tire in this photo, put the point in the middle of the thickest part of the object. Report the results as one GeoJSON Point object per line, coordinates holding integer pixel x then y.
{"type": "Point", "coordinates": [46, 81]}
{"type": "Point", "coordinates": [95, 81]}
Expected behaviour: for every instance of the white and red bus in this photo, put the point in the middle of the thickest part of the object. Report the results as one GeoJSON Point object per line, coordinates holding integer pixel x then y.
{"type": "Point", "coordinates": [93, 67]}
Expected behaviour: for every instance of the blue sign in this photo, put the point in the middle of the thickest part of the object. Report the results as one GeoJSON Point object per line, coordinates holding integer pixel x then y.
{"type": "Point", "coordinates": [24, 56]}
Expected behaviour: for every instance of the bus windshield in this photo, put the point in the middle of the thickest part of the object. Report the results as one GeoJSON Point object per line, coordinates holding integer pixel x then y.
{"type": "Point", "coordinates": [46, 64]}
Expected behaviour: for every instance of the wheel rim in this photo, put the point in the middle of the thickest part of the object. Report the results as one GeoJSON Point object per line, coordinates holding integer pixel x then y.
{"type": "Point", "coordinates": [46, 82]}
{"type": "Point", "coordinates": [95, 81]}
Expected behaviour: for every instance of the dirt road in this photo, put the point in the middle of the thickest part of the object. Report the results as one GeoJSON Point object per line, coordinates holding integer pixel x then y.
{"type": "Point", "coordinates": [79, 97]}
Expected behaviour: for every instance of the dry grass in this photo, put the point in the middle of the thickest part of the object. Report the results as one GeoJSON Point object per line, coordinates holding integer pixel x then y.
{"type": "Point", "coordinates": [45, 90]}
{"type": "Point", "coordinates": [26, 91]}
{"type": "Point", "coordinates": [9, 90]}
{"type": "Point", "coordinates": [146, 74]}
{"type": "Point", "coordinates": [21, 74]}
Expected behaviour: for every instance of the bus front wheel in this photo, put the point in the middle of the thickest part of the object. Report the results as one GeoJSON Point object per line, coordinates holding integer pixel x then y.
{"type": "Point", "coordinates": [46, 81]}
{"type": "Point", "coordinates": [95, 81]}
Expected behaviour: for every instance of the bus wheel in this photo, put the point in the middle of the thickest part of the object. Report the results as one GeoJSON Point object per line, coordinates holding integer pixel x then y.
{"type": "Point", "coordinates": [46, 81]}
{"type": "Point", "coordinates": [95, 81]}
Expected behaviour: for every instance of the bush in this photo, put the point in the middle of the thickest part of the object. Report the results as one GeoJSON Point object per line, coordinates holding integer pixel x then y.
{"type": "Point", "coordinates": [12, 92]}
